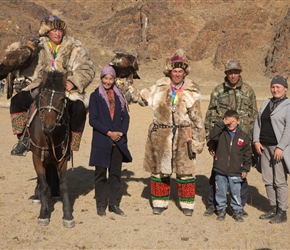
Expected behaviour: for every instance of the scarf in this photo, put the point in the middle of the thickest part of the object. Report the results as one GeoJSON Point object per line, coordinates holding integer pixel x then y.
{"type": "Point", "coordinates": [53, 53]}
{"type": "Point", "coordinates": [103, 94]}
{"type": "Point", "coordinates": [174, 94]}
{"type": "Point", "coordinates": [274, 103]}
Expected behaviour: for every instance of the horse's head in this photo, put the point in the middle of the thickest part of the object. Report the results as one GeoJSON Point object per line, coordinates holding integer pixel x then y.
{"type": "Point", "coordinates": [52, 101]}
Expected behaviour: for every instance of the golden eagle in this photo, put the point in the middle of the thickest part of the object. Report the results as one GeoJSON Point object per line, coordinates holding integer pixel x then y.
{"type": "Point", "coordinates": [17, 60]}
{"type": "Point", "coordinates": [126, 66]}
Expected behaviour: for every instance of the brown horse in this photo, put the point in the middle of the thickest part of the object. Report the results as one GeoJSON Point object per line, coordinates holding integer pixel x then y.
{"type": "Point", "coordinates": [49, 142]}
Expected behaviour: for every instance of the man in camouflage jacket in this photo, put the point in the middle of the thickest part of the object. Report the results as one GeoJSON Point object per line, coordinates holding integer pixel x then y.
{"type": "Point", "coordinates": [235, 94]}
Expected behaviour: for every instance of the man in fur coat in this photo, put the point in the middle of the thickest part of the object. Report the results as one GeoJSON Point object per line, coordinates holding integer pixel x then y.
{"type": "Point", "coordinates": [66, 55]}
{"type": "Point", "coordinates": [175, 135]}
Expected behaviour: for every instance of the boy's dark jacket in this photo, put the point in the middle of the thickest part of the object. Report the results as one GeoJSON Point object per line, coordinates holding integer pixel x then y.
{"type": "Point", "coordinates": [232, 156]}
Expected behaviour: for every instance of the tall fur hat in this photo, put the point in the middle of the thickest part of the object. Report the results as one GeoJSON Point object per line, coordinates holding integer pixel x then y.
{"type": "Point", "coordinates": [50, 23]}
{"type": "Point", "coordinates": [176, 61]}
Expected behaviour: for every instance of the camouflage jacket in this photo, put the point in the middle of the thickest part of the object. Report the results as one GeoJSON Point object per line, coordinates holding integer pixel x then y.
{"type": "Point", "coordinates": [224, 97]}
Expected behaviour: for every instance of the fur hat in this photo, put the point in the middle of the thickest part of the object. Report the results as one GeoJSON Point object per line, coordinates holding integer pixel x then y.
{"type": "Point", "coordinates": [108, 70]}
{"type": "Point", "coordinates": [232, 64]}
{"type": "Point", "coordinates": [176, 61]}
{"type": "Point", "coordinates": [50, 23]}
{"type": "Point", "coordinates": [279, 80]}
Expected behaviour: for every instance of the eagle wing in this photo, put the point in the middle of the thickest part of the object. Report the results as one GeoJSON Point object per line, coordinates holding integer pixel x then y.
{"type": "Point", "coordinates": [125, 65]}
{"type": "Point", "coordinates": [15, 61]}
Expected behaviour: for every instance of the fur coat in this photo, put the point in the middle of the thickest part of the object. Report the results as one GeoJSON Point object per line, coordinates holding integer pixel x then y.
{"type": "Point", "coordinates": [72, 58]}
{"type": "Point", "coordinates": [165, 152]}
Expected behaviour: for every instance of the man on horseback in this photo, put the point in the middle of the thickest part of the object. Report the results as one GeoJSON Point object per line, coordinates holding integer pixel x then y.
{"type": "Point", "coordinates": [66, 55]}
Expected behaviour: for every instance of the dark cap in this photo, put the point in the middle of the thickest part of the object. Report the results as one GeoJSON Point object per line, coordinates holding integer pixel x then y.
{"type": "Point", "coordinates": [279, 80]}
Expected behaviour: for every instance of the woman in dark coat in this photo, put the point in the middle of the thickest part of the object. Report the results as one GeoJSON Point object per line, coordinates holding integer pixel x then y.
{"type": "Point", "coordinates": [109, 119]}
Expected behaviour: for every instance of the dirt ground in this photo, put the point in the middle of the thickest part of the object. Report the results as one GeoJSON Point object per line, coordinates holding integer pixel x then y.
{"type": "Point", "coordinates": [139, 228]}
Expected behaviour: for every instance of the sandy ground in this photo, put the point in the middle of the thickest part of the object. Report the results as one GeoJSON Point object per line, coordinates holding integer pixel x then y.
{"type": "Point", "coordinates": [139, 228]}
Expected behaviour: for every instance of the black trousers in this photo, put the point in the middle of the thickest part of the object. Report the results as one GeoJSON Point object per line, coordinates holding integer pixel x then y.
{"type": "Point", "coordinates": [108, 189]}
{"type": "Point", "coordinates": [211, 202]}
{"type": "Point", "coordinates": [77, 110]}
{"type": "Point", "coordinates": [20, 102]}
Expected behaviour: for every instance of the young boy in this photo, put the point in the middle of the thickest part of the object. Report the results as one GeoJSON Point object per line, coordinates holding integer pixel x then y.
{"type": "Point", "coordinates": [232, 162]}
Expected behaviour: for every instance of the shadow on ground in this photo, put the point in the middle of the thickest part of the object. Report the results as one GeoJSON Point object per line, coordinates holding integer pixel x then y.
{"type": "Point", "coordinates": [255, 199]}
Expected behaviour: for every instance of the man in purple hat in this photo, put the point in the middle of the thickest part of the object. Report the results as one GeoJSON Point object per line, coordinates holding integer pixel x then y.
{"type": "Point", "coordinates": [175, 136]}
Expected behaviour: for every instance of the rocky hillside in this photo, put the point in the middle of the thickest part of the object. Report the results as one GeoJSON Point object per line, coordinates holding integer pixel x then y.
{"type": "Point", "coordinates": [254, 31]}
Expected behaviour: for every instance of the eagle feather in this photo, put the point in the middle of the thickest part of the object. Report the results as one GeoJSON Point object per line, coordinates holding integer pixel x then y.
{"type": "Point", "coordinates": [18, 58]}
{"type": "Point", "coordinates": [126, 66]}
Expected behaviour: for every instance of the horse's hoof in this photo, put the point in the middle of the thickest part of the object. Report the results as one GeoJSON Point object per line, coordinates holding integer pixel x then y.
{"type": "Point", "coordinates": [68, 223]}
{"type": "Point", "coordinates": [43, 222]}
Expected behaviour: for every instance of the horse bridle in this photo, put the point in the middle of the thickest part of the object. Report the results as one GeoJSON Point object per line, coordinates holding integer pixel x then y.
{"type": "Point", "coordinates": [50, 106]}
{"type": "Point", "coordinates": [60, 113]}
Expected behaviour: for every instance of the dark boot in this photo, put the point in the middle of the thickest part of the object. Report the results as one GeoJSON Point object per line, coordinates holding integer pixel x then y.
{"type": "Point", "coordinates": [101, 211]}
{"type": "Point", "coordinates": [116, 210]}
{"type": "Point", "coordinates": [209, 211]}
{"type": "Point", "coordinates": [187, 211]}
{"type": "Point", "coordinates": [221, 215]}
{"type": "Point", "coordinates": [280, 217]}
{"type": "Point", "coordinates": [21, 147]}
{"type": "Point", "coordinates": [269, 215]}
{"type": "Point", "coordinates": [238, 216]}
{"type": "Point", "coordinates": [158, 210]}
{"type": "Point", "coordinates": [244, 213]}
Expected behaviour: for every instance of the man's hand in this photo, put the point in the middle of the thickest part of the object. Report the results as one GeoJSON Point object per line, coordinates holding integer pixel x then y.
{"type": "Point", "coordinates": [69, 86]}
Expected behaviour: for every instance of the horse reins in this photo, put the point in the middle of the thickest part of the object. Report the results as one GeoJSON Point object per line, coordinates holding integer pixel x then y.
{"type": "Point", "coordinates": [60, 113]}
{"type": "Point", "coordinates": [50, 107]}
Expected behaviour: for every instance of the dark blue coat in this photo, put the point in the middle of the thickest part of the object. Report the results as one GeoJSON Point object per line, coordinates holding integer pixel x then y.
{"type": "Point", "coordinates": [100, 120]}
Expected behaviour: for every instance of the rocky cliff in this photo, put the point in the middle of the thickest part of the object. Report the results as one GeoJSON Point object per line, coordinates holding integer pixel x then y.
{"type": "Point", "coordinates": [254, 31]}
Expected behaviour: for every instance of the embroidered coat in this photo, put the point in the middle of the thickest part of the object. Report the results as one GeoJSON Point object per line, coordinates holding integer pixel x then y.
{"type": "Point", "coordinates": [167, 152]}
{"type": "Point", "coordinates": [101, 122]}
{"type": "Point", "coordinates": [72, 58]}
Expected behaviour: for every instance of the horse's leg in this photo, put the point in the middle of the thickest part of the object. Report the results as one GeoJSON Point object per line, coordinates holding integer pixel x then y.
{"type": "Point", "coordinates": [68, 219]}
{"type": "Point", "coordinates": [52, 179]}
{"type": "Point", "coordinates": [44, 215]}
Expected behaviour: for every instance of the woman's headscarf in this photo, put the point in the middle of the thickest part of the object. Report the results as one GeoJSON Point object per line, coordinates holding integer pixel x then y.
{"type": "Point", "coordinates": [109, 70]}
